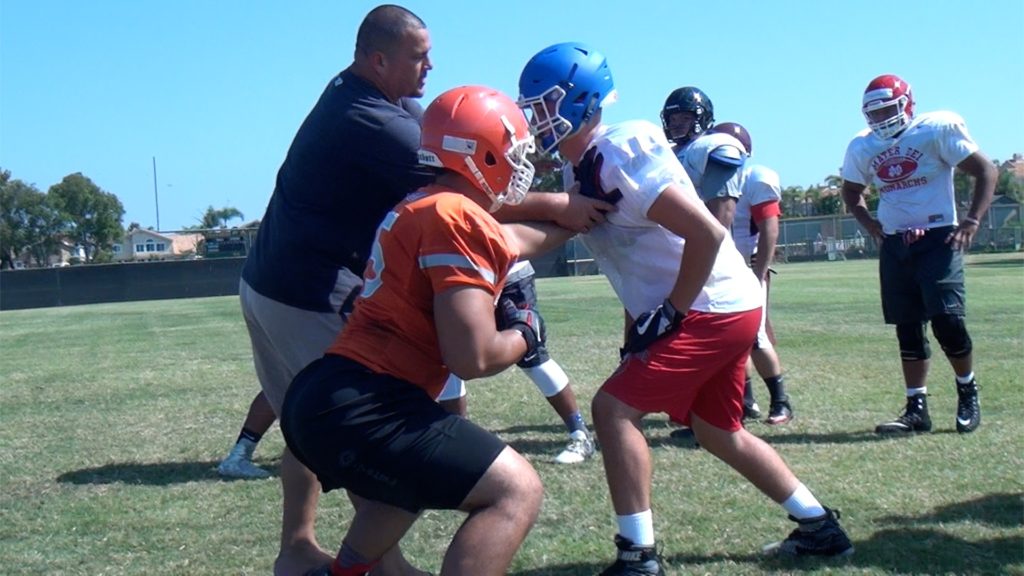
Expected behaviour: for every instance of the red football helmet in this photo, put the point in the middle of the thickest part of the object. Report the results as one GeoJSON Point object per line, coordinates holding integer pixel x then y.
{"type": "Point", "coordinates": [888, 105]}
{"type": "Point", "coordinates": [481, 134]}
{"type": "Point", "coordinates": [735, 130]}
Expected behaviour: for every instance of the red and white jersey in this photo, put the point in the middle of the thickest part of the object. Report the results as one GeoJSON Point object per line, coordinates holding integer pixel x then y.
{"type": "Point", "coordinates": [427, 244]}
{"type": "Point", "coordinates": [640, 258]}
{"type": "Point", "coordinates": [760, 200]}
{"type": "Point", "coordinates": [913, 172]}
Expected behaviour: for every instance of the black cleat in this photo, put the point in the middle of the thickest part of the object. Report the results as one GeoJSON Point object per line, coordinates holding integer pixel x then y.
{"type": "Point", "coordinates": [968, 411]}
{"type": "Point", "coordinates": [751, 411]}
{"type": "Point", "coordinates": [821, 536]}
{"type": "Point", "coordinates": [779, 413]}
{"type": "Point", "coordinates": [633, 560]}
{"type": "Point", "coordinates": [914, 418]}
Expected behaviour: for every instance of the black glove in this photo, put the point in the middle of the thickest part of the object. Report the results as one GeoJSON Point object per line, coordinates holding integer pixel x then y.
{"type": "Point", "coordinates": [527, 321]}
{"type": "Point", "coordinates": [651, 326]}
{"type": "Point", "coordinates": [588, 174]}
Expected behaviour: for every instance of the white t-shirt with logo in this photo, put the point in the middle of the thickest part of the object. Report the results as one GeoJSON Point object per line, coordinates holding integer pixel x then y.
{"type": "Point", "coordinates": [640, 258]}
{"type": "Point", "coordinates": [913, 172]}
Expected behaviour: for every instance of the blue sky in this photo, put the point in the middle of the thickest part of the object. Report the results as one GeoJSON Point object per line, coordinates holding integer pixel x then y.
{"type": "Point", "coordinates": [215, 90]}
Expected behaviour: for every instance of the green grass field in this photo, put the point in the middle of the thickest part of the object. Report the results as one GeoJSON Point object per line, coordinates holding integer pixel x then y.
{"type": "Point", "coordinates": [116, 415]}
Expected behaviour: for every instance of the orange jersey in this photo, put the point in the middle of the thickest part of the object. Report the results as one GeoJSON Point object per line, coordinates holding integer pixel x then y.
{"type": "Point", "coordinates": [427, 244]}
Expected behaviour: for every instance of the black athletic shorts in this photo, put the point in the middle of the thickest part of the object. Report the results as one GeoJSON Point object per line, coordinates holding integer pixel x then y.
{"type": "Point", "coordinates": [382, 438]}
{"type": "Point", "coordinates": [523, 293]}
{"type": "Point", "coordinates": [921, 280]}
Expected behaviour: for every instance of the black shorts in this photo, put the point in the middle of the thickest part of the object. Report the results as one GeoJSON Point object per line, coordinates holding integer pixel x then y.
{"type": "Point", "coordinates": [523, 293]}
{"type": "Point", "coordinates": [382, 438]}
{"type": "Point", "coordinates": [921, 280]}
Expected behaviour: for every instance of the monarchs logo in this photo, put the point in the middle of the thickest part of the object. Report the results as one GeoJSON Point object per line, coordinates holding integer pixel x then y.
{"type": "Point", "coordinates": [896, 169]}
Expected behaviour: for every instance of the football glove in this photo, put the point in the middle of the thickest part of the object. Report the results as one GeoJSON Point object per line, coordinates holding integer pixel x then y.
{"type": "Point", "coordinates": [527, 321]}
{"type": "Point", "coordinates": [652, 326]}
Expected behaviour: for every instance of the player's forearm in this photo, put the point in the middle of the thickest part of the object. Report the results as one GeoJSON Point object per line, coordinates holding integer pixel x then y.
{"type": "Point", "coordinates": [488, 356]}
{"type": "Point", "coordinates": [698, 260]}
{"type": "Point", "coordinates": [535, 238]}
{"type": "Point", "coordinates": [536, 206]}
{"type": "Point", "coordinates": [767, 239]}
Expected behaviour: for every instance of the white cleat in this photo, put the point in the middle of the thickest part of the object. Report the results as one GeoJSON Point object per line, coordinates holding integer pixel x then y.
{"type": "Point", "coordinates": [581, 447]}
{"type": "Point", "coordinates": [238, 464]}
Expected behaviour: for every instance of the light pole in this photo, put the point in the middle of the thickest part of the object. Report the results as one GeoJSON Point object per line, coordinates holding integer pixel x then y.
{"type": "Point", "coordinates": [156, 196]}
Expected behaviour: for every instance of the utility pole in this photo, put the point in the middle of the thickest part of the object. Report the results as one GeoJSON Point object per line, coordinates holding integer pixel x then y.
{"type": "Point", "coordinates": [156, 196]}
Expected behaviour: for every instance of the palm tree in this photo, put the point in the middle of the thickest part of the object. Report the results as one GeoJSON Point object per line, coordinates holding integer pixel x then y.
{"type": "Point", "coordinates": [214, 218]}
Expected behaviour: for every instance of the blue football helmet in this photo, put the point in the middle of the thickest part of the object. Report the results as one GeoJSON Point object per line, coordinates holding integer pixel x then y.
{"type": "Point", "coordinates": [561, 88]}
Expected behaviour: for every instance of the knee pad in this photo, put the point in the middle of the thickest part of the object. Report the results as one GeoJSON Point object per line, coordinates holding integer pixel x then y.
{"type": "Point", "coordinates": [549, 377]}
{"type": "Point", "coordinates": [454, 388]}
{"type": "Point", "coordinates": [952, 335]}
{"type": "Point", "coordinates": [913, 344]}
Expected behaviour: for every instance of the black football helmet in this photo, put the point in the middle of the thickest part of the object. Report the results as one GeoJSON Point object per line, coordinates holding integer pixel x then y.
{"type": "Point", "coordinates": [688, 99]}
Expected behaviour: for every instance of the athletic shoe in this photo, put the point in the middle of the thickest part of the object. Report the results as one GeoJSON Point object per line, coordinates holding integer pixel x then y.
{"type": "Point", "coordinates": [968, 411]}
{"type": "Point", "coordinates": [633, 560]}
{"type": "Point", "coordinates": [821, 536]}
{"type": "Point", "coordinates": [780, 413]}
{"type": "Point", "coordinates": [751, 411]}
{"type": "Point", "coordinates": [686, 436]}
{"type": "Point", "coordinates": [238, 463]}
{"type": "Point", "coordinates": [581, 447]}
{"type": "Point", "coordinates": [914, 418]}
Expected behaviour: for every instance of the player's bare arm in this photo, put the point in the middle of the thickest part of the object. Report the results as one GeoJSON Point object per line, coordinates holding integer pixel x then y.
{"type": "Point", "coordinates": [985, 175]}
{"type": "Point", "coordinates": [569, 210]}
{"type": "Point", "coordinates": [471, 344]}
{"type": "Point", "coordinates": [723, 209]}
{"type": "Point", "coordinates": [768, 236]}
{"type": "Point", "coordinates": [853, 196]}
{"type": "Point", "coordinates": [536, 238]}
{"type": "Point", "coordinates": [686, 217]}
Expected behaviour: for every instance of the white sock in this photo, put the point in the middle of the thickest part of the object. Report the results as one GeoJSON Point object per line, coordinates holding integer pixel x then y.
{"type": "Point", "coordinates": [801, 504]}
{"type": "Point", "coordinates": [639, 528]}
{"type": "Point", "coordinates": [916, 391]}
{"type": "Point", "coordinates": [965, 379]}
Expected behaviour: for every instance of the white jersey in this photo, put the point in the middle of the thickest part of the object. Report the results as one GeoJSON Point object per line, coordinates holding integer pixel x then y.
{"type": "Point", "coordinates": [759, 185]}
{"type": "Point", "coordinates": [913, 172]}
{"type": "Point", "coordinates": [640, 258]}
{"type": "Point", "coordinates": [724, 148]}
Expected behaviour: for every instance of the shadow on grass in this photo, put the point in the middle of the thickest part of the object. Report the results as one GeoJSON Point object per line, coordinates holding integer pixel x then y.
{"type": "Point", "coordinates": [1004, 510]}
{"type": "Point", "coordinates": [928, 551]}
{"type": "Point", "coordinates": [795, 438]}
{"type": "Point", "coordinates": [897, 550]}
{"type": "Point", "coordinates": [152, 474]}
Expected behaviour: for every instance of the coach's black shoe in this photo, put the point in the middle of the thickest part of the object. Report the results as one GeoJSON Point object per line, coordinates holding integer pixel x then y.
{"type": "Point", "coordinates": [914, 418]}
{"type": "Point", "coordinates": [968, 411]}
{"type": "Point", "coordinates": [821, 536]}
{"type": "Point", "coordinates": [633, 560]}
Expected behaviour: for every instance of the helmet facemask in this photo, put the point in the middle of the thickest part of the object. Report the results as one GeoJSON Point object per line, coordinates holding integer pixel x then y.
{"type": "Point", "coordinates": [542, 111]}
{"type": "Point", "coordinates": [521, 177]}
{"type": "Point", "coordinates": [887, 118]}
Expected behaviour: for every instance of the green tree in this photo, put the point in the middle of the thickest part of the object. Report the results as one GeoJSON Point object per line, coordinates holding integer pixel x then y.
{"type": "Point", "coordinates": [28, 223]}
{"type": "Point", "coordinates": [792, 201]}
{"type": "Point", "coordinates": [1008, 184]}
{"type": "Point", "coordinates": [830, 204]}
{"type": "Point", "coordinates": [548, 175]}
{"type": "Point", "coordinates": [217, 218]}
{"type": "Point", "coordinates": [91, 216]}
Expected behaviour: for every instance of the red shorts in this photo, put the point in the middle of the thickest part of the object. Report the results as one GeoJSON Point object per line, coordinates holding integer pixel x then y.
{"type": "Point", "coordinates": [699, 369]}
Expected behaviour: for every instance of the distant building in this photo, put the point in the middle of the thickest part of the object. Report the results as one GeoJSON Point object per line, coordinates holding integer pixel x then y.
{"type": "Point", "coordinates": [140, 245]}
